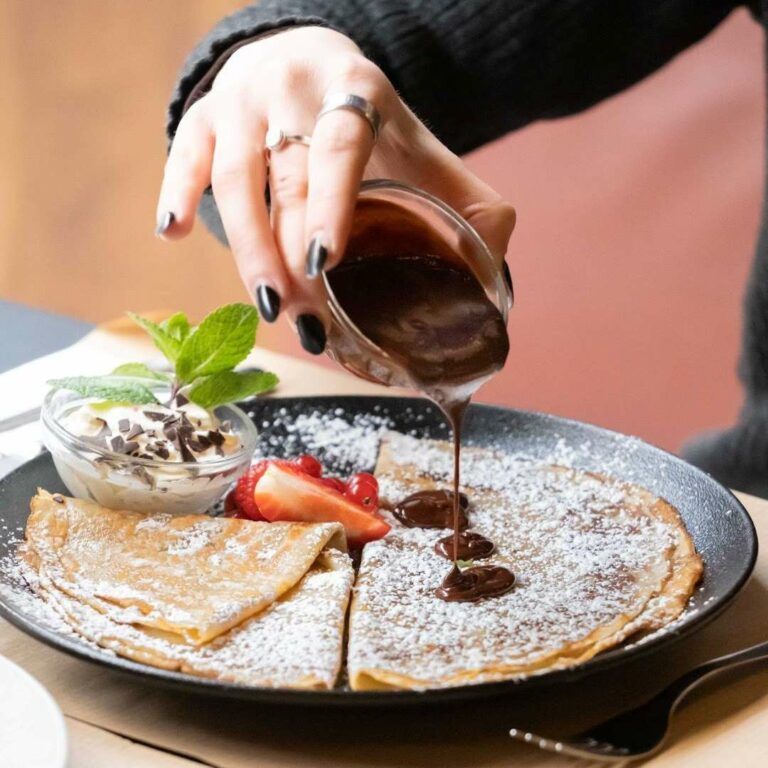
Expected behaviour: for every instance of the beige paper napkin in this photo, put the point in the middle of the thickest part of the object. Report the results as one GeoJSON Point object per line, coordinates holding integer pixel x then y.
{"type": "Point", "coordinates": [92, 747]}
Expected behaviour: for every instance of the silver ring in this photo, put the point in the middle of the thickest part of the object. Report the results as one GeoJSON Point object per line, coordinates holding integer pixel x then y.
{"type": "Point", "coordinates": [352, 103]}
{"type": "Point", "coordinates": [277, 138]}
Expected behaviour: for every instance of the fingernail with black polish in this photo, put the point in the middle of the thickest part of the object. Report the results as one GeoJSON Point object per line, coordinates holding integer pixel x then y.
{"type": "Point", "coordinates": [164, 221]}
{"type": "Point", "coordinates": [311, 333]}
{"type": "Point", "coordinates": [317, 254]}
{"type": "Point", "coordinates": [268, 302]}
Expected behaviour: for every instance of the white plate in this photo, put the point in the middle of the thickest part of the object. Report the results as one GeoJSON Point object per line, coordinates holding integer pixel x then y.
{"type": "Point", "coordinates": [32, 730]}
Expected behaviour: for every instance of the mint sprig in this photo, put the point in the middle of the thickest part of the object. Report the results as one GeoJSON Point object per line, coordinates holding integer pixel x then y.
{"type": "Point", "coordinates": [219, 343]}
{"type": "Point", "coordinates": [228, 386]}
{"type": "Point", "coordinates": [140, 371]}
{"type": "Point", "coordinates": [107, 388]}
{"type": "Point", "coordinates": [203, 360]}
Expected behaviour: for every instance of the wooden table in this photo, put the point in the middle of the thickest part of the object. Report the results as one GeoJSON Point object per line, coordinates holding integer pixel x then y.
{"type": "Point", "coordinates": [117, 722]}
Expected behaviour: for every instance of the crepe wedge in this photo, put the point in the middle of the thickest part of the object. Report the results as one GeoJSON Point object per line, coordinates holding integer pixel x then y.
{"type": "Point", "coordinates": [596, 561]}
{"type": "Point", "coordinates": [192, 578]}
{"type": "Point", "coordinates": [294, 643]}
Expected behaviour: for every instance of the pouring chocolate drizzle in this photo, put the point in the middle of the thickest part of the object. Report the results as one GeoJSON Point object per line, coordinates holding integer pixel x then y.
{"type": "Point", "coordinates": [433, 318]}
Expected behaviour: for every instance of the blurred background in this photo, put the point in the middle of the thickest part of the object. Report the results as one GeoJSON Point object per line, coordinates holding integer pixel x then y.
{"type": "Point", "coordinates": [636, 219]}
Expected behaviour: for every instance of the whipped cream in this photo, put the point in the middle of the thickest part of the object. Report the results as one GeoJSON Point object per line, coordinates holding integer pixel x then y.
{"type": "Point", "coordinates": [182, 432]}
{"type": "Point", "coordinates": [176, 458]}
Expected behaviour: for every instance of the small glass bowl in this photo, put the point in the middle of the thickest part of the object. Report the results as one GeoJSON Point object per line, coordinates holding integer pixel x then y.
{"type": "Point", "coordinates": [393, 218]}
{"type": "Point", "coordinates": [142, 485]}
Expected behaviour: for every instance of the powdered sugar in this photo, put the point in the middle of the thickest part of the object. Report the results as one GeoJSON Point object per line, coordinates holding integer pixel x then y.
{"type": "Point", "coordinates": [343, 444]}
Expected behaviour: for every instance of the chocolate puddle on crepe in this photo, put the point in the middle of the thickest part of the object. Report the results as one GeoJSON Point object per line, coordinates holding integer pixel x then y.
{"type": "Point", "coordinates": [597, 560]}
{"type": "Point", "coordinates": [256, 603]}
{"type": "Point", "coordinates": [434, 319]}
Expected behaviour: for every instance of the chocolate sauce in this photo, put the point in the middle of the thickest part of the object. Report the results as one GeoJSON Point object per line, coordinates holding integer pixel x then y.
{"type": "Point", "coordinates": [431, 316]}
{"type": "Point", "coordinates": [472, 546]}
{"type": "Point", "coordinates": [431, 509]}
{"type": "Point", "coordinates": [475, 583]}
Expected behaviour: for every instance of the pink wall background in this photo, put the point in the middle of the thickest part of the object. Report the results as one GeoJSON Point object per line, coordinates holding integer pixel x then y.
{"type": "Point", "coordinates": [636, 229]}
{"type": "Point", "coordinates": [636, 224]}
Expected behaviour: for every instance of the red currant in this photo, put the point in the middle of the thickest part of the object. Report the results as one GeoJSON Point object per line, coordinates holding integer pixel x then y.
{"type": "Point", "coordinates": [335, 483]}
{"type": "Point", "coordinates": [363, 489]}
{"type": "Point", "coordinates": [309, 465]}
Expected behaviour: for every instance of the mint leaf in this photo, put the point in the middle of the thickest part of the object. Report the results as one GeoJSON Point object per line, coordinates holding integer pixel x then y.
{"type": "Point", "coordinates": [106, 388]}
{"type": "Point", "coordinates": [139, 371]}
{"type": "Point", "coordinates": [219, 343]}
{"type": "Point", "coordinates": [177, 326]}
{"type": "Point", "coordinates": [168, 344]}
{"type": "Point", "coordinates": [228, 386]}
{"type": "Point", "coordinates": [462, 564]}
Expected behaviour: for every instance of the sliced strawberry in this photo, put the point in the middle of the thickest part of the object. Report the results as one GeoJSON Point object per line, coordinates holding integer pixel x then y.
{"type": "Point", "coordinates": [243, 493]}
{"type": "Point", "coordinates": [284, 492]}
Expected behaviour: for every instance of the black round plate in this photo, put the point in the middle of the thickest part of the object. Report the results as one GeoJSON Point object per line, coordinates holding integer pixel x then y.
{"type": "Point", "coordinates": [720, 526]}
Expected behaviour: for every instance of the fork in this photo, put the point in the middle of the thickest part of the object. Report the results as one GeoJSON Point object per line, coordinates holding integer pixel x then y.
{"type": "Point", "coordinates": [641, 732]}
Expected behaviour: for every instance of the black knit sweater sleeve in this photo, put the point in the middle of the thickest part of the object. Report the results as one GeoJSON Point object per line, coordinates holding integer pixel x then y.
{"type": "Point", "coordinates": [476, 69]}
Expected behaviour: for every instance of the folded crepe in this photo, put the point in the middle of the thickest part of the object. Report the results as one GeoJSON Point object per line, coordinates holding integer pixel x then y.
{"type": "Point", "coordinates": [294, 643]}
{"type": "Point", "coordinates": [596, 560]}
{"type": "Point", "coordinates": [191, 578]}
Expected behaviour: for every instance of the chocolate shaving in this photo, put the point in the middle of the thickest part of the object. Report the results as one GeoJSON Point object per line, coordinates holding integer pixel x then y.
{"type": "Point", "coordinates": [124, 425]}
{"type": "Point", "coordinates": [117, 443]}
{"type": "Point", "coordinates": [105, 431]}
{"type": "Point", "coordinates": [135, 431]}
{"type": "Point", "coordinates": [195, 445]}
{"type": "Point", "coordinates": [162, 452]}
{"type": "Point", "coordinates": [204, 442]}
{"type": "Point", "coordinates": [186, 454]}
{"type": "Point", "coordinates": [145, 456]}
{"type": "Point", "coordinates": [155, 415]}
{"type": "Point", "coordinates": [131, 446]}
{"type": "Point", "coordinates": [181, 399]}
{"type": "Point", "coordinates": [171, 433]}
{"type": "Point", "coordinates": [216, 437]}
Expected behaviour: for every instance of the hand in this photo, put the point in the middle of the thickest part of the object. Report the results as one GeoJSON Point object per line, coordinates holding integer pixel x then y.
{"type": "Point", "coordinates": [280, 81]}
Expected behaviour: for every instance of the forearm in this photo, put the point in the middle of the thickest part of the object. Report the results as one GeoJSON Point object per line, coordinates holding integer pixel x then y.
{"type": "Point", "coordinates": [474, 70]}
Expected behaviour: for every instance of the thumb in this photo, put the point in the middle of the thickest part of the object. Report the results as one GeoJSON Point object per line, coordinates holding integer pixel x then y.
{"type": "Point", "coordinates": [444, 175]}
{"type": "Point", "coordinates": [494, 221]}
